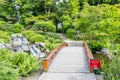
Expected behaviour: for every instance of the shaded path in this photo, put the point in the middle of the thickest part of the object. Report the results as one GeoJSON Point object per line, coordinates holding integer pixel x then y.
{"type": "Point", "coordinates": [71, 63]}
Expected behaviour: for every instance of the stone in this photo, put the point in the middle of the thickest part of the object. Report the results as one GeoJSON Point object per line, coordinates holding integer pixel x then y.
{"type": "Point", "coordinates": [105, 50]}
{"type": "Point", "coordinates": [41, 44]}
{"type": "Point", "coordinates": [47, 50]}
{"type": "Point", "coordinates": [8, 46]}
{"type": "Point", "coordinates": [25, 41]}
{"type": "Point", "coordinates": [25, 47]}
{"type": "Point", "coordinates": [36, 51]}
{"type": "Point", "coordinates": [2, 46]}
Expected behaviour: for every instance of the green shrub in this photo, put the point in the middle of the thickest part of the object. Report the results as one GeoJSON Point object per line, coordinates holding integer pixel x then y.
{"type": "Point", "coordinates": [51, 46]}
{"type": "Point", "coordinates": [5, 55]}
{"type": "Point", "coordinates": [57, 41]}
{"type": "Point", "coordinates": [71, 33]}
{"type": "Point", "coordinates": [67, 23]}
{"type": "Point", "coordinates": [26, 63]}
{"type": "Point", "coordinates": [37, 38]}
{"type": "Point", "coordinates": [40, 32]}
{"type": "Point", "coordinates": [112, 70]}
{"type": "Point", "coordinates": [34, 37]}
{"type": "Point", "coordinates": [117, 40]}
{"type": "Point", "coordinates": [4, 26]}
{"type": "Point", "coordinates": [95, 46]}
{"type": "Point", "coordinates": [28, 34]}
{"type": "Point", "coordinates": [45, 26]}
{"type": "Point", "coordinates": [51, 40]}
{"type": "Point", "coordinates": [8, 71]}
{"type": "Point", "coordinates": [17, 27]}
{"type": "Point", "coordinates": [52, 35]}
{"type": "Point", "coordinates": [4, 37]}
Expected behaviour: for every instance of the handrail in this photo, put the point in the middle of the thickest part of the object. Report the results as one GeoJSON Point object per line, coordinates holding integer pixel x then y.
{"type": "Point", "coordinates": [89, 54]}
{"type": "Point", "coordinates": [47, 61]}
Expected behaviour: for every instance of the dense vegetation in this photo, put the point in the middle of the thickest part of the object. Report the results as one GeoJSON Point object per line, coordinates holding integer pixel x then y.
{"type": "Point", "coordinates": [12, 65]}
{"type": "Point", "coordinates": [94, 21]}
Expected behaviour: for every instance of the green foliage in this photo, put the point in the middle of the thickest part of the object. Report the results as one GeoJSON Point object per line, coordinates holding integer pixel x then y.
{"type": "Point", "coordinates": [71, 33]}
{"type": "Point", "coordinates": [37, 38]}
{"type": "Point", "coordinates": [112, 70]}
{"type": "Point", "coordinates": [67, 22]}
{"type": "Point", "coordinates": [4, 26]}
{"type": "Point", "coordinates": [34, 37]}
{"type": "Point", "coordinates": [4, 37]}
{"type": "Point", "coordinates": [100, 29]}
{"type": "Point", "coordinates": [8, 71]}
{"type": "Point", "coordinates": [95, 46]}
{"type": "Point", "coordinates": [57, 41]}
{"type": "Point", "coordinates": [45, 26]}
{"type": "Point", "coordinates": [53, 45]}
{"type": "Point", "coordinates": [24, 63]}
{"type": "Point", "coordinates": [17, 28]}
{"type": "Point", "coordinates": [52, 35]}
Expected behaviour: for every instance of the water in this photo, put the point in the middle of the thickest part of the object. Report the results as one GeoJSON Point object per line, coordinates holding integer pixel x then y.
{"type": "Point", "coordinates": [20, 44]}
{"type": "Point", "coordinates": [17, 7]}
{"type": "Point", "coordinates": [36, 51]}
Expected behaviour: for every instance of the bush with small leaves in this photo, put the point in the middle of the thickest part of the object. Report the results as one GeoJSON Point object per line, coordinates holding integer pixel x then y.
{"type": "Point", "coordinates": [37, 38]}
{"type": "Point", "coordinates": [45, 26]}
{"type": "Point", "coordinates": [52, 35]}
{"type": "Point", "coordinates": [4, 26]}
{"type": "Point", "coordinates": [4, 37]}
{"type": "Point", "coordinates": [17, 27]}
{"type": "Point", "coordinates": [71, 33]}
{"type": "Point", "coordinates": [8, 71]}
{"type": "Point", "coordinates": [34, 37]}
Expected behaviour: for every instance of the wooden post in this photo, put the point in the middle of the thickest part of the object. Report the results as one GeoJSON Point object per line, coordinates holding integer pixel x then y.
{"type": "Point", "coordinates": [45, 64]}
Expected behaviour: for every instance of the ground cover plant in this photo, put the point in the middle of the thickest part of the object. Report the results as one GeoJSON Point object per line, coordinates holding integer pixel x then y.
{"type": "Point", "coordinates": [14, 65]}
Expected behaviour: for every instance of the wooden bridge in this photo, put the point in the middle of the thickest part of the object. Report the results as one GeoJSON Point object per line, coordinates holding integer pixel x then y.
{"type": "Point", "coordinates": [69, 63]}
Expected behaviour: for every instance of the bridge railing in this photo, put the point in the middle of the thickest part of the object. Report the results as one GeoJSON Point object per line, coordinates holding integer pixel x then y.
{"type": "Point", "coordinates": [48, 60]}
{"type": "Point", "coordinates": [89, 54]}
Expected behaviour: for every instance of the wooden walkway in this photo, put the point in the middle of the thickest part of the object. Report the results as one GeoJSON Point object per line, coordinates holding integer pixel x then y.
{"type": "Point", "coordinates": [71, 63]}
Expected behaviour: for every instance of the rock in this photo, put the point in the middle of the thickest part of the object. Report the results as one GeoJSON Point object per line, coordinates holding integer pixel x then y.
{"type": "Point", "coordinates": [41, 44]}
{"type": "Point", "coordinates": [42, 55]}
{"type": "Point", "coordinates": [25, 47]}
{"type": "Point", "coordinates": [2, 46]}
{"type": "Point", "coordinates": [47, 50]}
{"type": "Point", "coordinates": [25, 41]}
{"type": "Point", "coordinates": [105, 50]}
{"type": "Point", "coordinates": [8, 46]}
{"type": "Point", "coordinates": [17, 49]}
{"type": "Point", "coordinates": [59, 25]}
{"type": "Point", "coordinates": [36, 51]}
{"type": "Point", "coordinates": [13, 35]}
